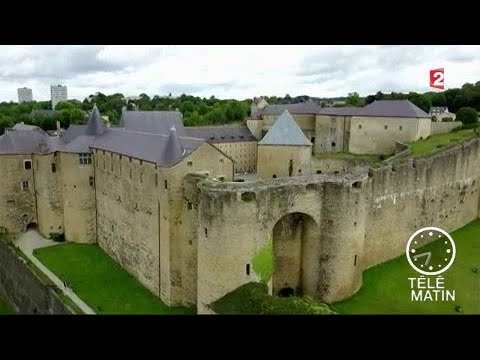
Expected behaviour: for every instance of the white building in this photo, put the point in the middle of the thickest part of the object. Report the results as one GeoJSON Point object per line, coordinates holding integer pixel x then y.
{"type": "Point", "coordinates": [58, 94]}
{"type": "Point", "coordinates": [24, 95]}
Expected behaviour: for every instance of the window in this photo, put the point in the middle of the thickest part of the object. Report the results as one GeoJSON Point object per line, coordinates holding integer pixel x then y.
{"type": "Point", "coordinates": [92, 181]}
{"type": "Point", "coordinates": [355, 260]}
{"type": "Point", "coordinates": [130, 174]}
{"type": "Point", "coordinates": [85, 158]}
{"type": "Point", "coordinates": [247, 269]}
{"type": "Point", "coordinates": [312, 139]}
{"type": "Point", "coordinates": [141, 177]}
{"type": "Point", "coordinates": [190, 206]}
{"type": "Point", "coordinates": [156, 180]}
{"type": "Point", "coordinates": [359, 126]}
{"type": "Point", "coordinates": [333, 144]}
{"type": "Point", "coordinates": [189, 163]}
{"type": "Point", "coordinates": [25, 185]}
{"type": "Point", "coordinates": [166, 184]}
{"type": "Point", "coordinates": [386, 127]}
{"type": "Point", "coordinates": [274, 176]}
{"type": "Point", "coordinates": [27, 164]}
{"type": "Point", "coordinates": [206, 232]}
{"type": "Point", "coordinates": [111, 166]}
{"type": "Point", "coordinates": [54, 168]}
{"type": "Point", "coordinates": [221, 178]}
{"type": "Point", "coordinates": [400, 127]}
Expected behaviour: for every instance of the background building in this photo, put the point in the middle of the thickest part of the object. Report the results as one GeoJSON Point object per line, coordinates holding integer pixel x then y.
{"type": "Point", "coordinates": [58, 94]}
{"type": "Point", "coordinates": [24, 95]}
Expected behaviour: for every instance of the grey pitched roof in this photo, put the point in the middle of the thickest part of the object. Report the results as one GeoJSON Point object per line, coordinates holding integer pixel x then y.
{"type": "Point", "coordinates": [217, 134]}
{"type": "Point", "coordinates": [73, 132]}
{"type": "Point", "coordinates": [340, 111]}
{"type": "Point", "coordinates": [79, 138]}
{"type": "Point", "coordinates": [34, 141]}
{"type": "Point", "coordinates": [154, 122]}
{"type": "Point", "coordinates": [160, 149]}
{"type": "Point", "coordinates": [300, 108]}
{"type": "Point", "coordinates": [285, 131]}
{"type": "Point", "coordinates": [81, 144]}
{"type": "Point", "coordinates": [393, 108]}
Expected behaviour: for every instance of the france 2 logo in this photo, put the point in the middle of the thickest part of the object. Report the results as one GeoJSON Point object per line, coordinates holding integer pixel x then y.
{"type": "Point", "coordinates": [437, 79]}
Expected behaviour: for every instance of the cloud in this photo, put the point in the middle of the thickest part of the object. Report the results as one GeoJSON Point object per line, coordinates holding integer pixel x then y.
{"type": "Point", "coordinates": [242, 71]}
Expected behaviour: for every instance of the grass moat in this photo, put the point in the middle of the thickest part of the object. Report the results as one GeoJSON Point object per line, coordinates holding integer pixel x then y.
{"type": "Point", "coordinates": [102, 283]}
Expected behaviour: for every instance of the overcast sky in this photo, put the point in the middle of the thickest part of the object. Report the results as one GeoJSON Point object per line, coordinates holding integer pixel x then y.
{"type": "Point", "coordinates": [231, 71]}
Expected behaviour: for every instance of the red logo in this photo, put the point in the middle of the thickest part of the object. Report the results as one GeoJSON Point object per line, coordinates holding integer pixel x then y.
{"type": "Point", "coordinates": [437, 79]}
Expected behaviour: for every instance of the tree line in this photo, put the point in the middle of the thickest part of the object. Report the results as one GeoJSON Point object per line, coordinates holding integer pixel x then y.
{"type": "Point", "coordinates": [212, 111]}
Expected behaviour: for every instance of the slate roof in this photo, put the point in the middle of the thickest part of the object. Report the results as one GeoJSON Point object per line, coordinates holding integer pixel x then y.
{"type": "Point", "coordinates": [161, 149]}
{"type": "Point", "coordinates": [215, 134]}
{"type": "Point", "coordinates": [79, 138]}
{"type": "Point", "coordinates": [299, 108]}
{"type": "Point", "coordinates": [340, 111]}
{"type": "Point", "coordinates": [153, 122]}
{"type": "Point", "coordinates": [34, 141]}
{"type": "Point", "coordinates": [393, 108]}
{"type": "Point", "coordinates": [285, 131]}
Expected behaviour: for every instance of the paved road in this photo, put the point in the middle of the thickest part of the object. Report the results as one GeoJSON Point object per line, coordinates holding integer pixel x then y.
{"type": "Point", "coordinates": [31, 240]}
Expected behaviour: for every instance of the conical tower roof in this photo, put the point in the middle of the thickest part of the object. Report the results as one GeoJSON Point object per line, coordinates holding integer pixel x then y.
{"type": "Point", "coordinates": [95, 124]}
{"type": "Point", "coordinates": [174, 149]}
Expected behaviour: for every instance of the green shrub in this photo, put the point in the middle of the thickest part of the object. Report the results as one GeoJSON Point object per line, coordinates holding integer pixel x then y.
{"type": "Point", "coordinates": [467, 115]}
{"type": "Point", "coordinates": [57, 237]}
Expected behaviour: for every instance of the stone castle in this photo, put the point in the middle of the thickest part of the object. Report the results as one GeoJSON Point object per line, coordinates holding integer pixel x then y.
{"type": "Point", "coordinates": [174, 206]}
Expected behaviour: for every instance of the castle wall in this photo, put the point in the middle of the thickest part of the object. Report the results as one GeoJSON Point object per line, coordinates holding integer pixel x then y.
{"type": "Point", "coordinates": [330, 134]}
{"type": "Point", "coordinates": [49, 193]}
{"type": "Point", "coordinates": [439, 191]}
{"type": "Point", "coordinates": [145, 222]}
{"type": "Point", "coordinates": [443, 127]}
{"type": "Point", "coordinates": [255, 127]}
{"type": "Point", "coordinates": [78, 199]}
{"type": "Point", "coordinates": [377, 135]}
{"type": "Point", "coordinates": [127, 221]}
{"type": "Point", "coordinates": [275, 160]}
{"type": "Point", "coordinates": [363, 220]}
{"type": "Point", "coordinates": [18, 206]}
{"type": "Point", "coordinates": [181, 251]}
{"type": "Point", "coordinates": [325, 165]}
{"type": "Point", "coordinates": [227, 246]}
{"type": "Point", "coordinates": [244, 153]}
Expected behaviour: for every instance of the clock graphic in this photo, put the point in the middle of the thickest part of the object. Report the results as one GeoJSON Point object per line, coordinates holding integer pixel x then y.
{"type": "Point", "coordinates": [430, 251]}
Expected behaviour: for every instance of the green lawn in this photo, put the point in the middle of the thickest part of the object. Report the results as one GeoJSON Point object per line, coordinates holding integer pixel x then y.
{"type": "Point", "coordinates": [4, 307]}
{"type": "Point", "coordinates": [386, 289]}
{"type": "Point", "coordinates": [101, 282]}
{"type": "Point", "coordinates": [347, 156]}
{"type": "Point", "coordinates": [439, 142]}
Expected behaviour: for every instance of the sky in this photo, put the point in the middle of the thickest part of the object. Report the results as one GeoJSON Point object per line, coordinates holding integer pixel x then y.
{"type": "Point", "coordinates": [232, 71]}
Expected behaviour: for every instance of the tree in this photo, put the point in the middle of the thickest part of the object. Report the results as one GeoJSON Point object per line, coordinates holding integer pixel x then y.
{"type": "Point", "coordinates": [420, 100]}
{"type": "Point", "coordinates": [467, 115]}
{"type": "Point", "coordinates": [353, 99]}
{"type": "Point", "coordinates": [369, 99]}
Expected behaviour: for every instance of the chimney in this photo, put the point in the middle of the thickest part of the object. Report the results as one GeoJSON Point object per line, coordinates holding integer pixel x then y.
{"type": "Point", "coordinates": [58, 127]}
